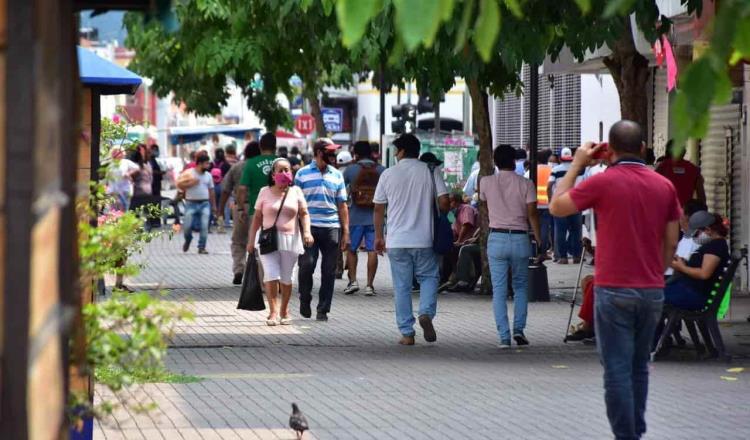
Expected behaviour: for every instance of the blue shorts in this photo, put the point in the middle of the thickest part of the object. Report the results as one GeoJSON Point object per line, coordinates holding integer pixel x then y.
{"type": "Point", "coordinates": [360, 232]}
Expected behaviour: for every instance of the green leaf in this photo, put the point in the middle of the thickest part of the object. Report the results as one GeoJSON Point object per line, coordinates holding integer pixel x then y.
{"type": "Point", "coordinates": [487, 28]}
{"type": "Point", "coordinates": [514, 6]}
{"type": "Point", "coordinates": [446, 9]}
{"type": "Point", "coordinates": [584, 6]}
{"type": "Point", "coordinates": [742, 37]}
{"type": "Point", "coordinates": [417, 21]}
{"type": "Point", "coordinates": [617, 7]}
{"type": "Point", "coordinates": [723, 85]}
{"type": "Point", "coordinates": [464, 26]}
{"type": "Point", "coordinates": [353, 17]}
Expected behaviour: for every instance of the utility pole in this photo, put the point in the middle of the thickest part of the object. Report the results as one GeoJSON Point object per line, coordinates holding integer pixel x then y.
{"type": "Point", "coordinates": [533, 119]}
{"type": "Point", "coordinates": [382, 108]}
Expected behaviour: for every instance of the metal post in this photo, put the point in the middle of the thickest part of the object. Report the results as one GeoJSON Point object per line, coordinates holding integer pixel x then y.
{"type": "Point", "coordinates": [382, 108]}
{"type": "Point", "coordinates": [533, 119]}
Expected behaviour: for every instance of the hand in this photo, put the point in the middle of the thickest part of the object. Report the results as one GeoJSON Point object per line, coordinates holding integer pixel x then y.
{"type": "Point", "coordinates": [678, 263]}
{"type": "Point", "coordinates": [585, 154]}
{"type": "Point", "coordinates": [380, 245]}
{"type": "Point", "coordinates": [250, 247]}
{"type": "Point", "coordinates": [308, 239]}
{"type": "Point", "coordinates": [345, 241]}
{"type": "Point", "coordinates": [243, 215]}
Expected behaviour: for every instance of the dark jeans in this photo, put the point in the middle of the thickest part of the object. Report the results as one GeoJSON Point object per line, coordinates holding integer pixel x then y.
{"type": "Point", "coordinates": [327, 243]}
{"type": "Point", "coordinates": [682, 295]}
{"type": "Point", "coordinates": [624, 322]}
{"type": "Point", "coordinates": [469, 265]}
{"type": "Point", "coordinates": [568, 236]}
{"type": "Point", "coordinates": [546, 225]}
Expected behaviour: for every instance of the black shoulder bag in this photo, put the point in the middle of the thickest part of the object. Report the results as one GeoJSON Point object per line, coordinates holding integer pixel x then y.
{"type": "Point", "coordinates": [269, 240]}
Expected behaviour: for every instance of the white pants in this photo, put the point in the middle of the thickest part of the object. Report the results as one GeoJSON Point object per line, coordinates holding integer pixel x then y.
{"type": "Point", "coordinates": [279, 266]}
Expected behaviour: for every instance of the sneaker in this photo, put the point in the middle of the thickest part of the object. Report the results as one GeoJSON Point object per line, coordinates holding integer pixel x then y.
{"type": "Point", "coordinates": [351, 288]}
{"type": "Point", "coordinates": [580, 335]}
{"type": "Point", "coordinates": [321, 316]}
{"type": "Point", "coordinates": [520, 338]}
{"type": "Point", "coordinates": [186, 245]}
{"type": "Point", "coordinates": [504, 345]}
{"type": "Point", "coordinates": [446, 286]}
{"type": "Point", "coordinates": [462, 286]}
{"type": "Point", "coordinates": [304, 310]}
{"type": "Point", "coordinates": [429, 330]}
{"type": "Point", "coordinates": [202, 251]}
{"type": "Point", "coordinates": [237, 280]}
{"type": "Point", "coordinates": [576, 261]}
{"type": "Point", "coordinates": [369, 291]}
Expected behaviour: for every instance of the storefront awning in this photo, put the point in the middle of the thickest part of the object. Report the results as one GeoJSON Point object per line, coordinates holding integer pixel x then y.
{"type": "Point", "coordinates": [106, 77]}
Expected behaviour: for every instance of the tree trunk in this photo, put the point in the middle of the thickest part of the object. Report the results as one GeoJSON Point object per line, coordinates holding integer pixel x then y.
{"type": "Point", "coordinates": [311, 94]}
{"type": "Point", "coordinates": [630, 72]}
{"type": "Point", "coordinates": [479, 99]}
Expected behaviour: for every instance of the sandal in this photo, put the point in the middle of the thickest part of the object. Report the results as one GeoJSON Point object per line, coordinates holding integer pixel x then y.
{"type": "Point", "coordinates": [285, 320]}
{"type": "Point", "coordinates": [271, 321]}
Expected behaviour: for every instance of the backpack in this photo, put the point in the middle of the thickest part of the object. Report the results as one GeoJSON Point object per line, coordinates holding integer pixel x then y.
{"type": "Point", "coordinates": [363, 188]}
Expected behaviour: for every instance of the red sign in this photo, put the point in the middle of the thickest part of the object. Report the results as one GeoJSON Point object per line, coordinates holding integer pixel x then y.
{"type": "Point", "coordinates": [305, 124]}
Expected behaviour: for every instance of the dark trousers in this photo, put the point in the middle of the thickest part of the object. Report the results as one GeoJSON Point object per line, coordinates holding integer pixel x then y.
{"type": "Point", "coordinates": [469, 264]}
{"type": "Point", "coordinates": [568, 236]}
{"type": "Point", "coordinates": [327, 243]}
{"type": "Point", "coordinates": [546, 226]}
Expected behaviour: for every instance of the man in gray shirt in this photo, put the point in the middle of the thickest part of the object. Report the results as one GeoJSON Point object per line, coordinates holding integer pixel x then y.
{"type": "Point", "coordinates": [200, 202]}
{"type": "Point", "coordinates": [230, 185]}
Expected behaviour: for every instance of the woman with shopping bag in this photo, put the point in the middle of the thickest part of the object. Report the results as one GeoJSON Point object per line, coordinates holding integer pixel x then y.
{"type": "Point", "coordinates": [283, 221]}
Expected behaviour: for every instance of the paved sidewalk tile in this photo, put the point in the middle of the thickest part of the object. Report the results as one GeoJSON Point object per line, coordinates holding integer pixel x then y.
{"type": "Point", "coordinates": [353, 381]}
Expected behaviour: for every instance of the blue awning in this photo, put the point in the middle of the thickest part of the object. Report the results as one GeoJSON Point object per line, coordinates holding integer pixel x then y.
{"type": "Point", "coordinates": [104, 76]}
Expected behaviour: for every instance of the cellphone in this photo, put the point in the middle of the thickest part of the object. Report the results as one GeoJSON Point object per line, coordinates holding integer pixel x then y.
{"type": "Point", "coordinates": [603, 151]}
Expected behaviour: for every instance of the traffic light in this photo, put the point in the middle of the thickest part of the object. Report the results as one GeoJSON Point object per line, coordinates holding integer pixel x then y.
{"type": "Point", "coordinates": [406, 118]}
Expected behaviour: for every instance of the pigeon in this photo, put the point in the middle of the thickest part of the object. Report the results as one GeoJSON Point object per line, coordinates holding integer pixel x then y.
{"type": "Point", "coordinates": [297, 421]}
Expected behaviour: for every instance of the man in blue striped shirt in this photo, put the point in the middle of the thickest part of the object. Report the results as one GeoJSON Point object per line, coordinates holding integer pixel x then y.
{"type": "Point", "coordinates": [325, 192]}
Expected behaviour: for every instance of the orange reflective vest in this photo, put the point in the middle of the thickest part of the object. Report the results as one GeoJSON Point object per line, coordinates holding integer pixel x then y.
{"type": "Point", "coordinates": [542, 179]}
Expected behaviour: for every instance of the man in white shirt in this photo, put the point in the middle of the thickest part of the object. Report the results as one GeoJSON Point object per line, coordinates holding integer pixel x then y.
{"type": "Point", "coordinates": [200, 202]}
{"type": "Point", "coordinates": [409, 190]}
{"type": "Point", "coordinates": [567, 229]}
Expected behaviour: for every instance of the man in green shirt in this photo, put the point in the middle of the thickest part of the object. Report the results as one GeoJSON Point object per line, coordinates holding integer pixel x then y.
{"type": "Point", "coordinates": [255, 175]}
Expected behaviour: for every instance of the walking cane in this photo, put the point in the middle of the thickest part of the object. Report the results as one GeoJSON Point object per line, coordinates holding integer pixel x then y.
{"type": "Point", "coordinates": [575, 294]}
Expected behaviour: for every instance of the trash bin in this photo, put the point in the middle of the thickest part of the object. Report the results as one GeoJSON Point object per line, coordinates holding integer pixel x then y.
{"type": "Point", "coordinates": [538, 284]}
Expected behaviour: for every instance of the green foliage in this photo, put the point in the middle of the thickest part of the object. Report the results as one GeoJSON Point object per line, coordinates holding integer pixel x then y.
{"type": "Point", "coordinates": [126, 335]}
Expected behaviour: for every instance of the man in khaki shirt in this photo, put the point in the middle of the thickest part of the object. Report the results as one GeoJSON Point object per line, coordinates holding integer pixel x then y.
{"type": "Point", "coordinates": [230, 187]}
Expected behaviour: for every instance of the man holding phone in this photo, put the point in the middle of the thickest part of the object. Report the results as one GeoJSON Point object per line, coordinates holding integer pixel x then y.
{"type": "Point", "coordinates": [638, 213]}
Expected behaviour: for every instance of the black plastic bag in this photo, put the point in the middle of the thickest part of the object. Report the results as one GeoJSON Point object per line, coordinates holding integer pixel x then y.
{"type": "Point", "coordinates": [251, 296]}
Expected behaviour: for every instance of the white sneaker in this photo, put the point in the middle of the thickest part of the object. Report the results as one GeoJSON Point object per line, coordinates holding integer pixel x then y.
{"type": "Point", "coordinates": [353, 287]}
{"type": "Point", "coordinates": [369, 291]}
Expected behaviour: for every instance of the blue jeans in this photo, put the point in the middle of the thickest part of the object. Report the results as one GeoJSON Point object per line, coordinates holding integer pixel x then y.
{"type": "Point", "coordinates": [624, 322]}
{"type": "Point", "coordinates": [509, 251]}
{"type": "Point", "coordinates": [568, 236]}
{"type": "Point", "coordinates": [682, 295]}
{"type": "Point", "coordinates": [406, 264]}
{"type": "Point", "coordinates": [546, 225]}
{"type": "Point", "coordinates": [201, 211]}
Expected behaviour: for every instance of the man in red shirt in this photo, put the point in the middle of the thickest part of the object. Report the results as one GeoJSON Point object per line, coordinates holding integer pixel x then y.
{"type": "Point", "coordinates": [685, 176]}
{"type": "Point", "coordinates": [638, 214]}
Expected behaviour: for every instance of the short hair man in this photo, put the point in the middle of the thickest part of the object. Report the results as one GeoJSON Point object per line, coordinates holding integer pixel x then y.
{"type": "Point", "coordinates": [200, 202]}
{"type": "Point", "coordinates": [361, 178]}
{"type": "Point", "coordinates": [255, 175]}
{"type": "Point", "coordinates": [568, 230]}
{"type": "Point", "coordinates": [230, 189]}
{"type": "Point", "coordinates": [409, 189]}
{"type": "Point", "coordinates": [685, 176]}
{"type": "Point", "coordinates": [325, 191]}
{"type": "Point", "coordinates": [638, 213]}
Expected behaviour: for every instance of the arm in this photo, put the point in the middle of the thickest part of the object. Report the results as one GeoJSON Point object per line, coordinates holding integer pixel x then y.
{"type": "Point", "coordinates": [344, 220]}
{"type": "Point", "coordinates": [241, 200]}
{"type": "Point", "coordinates": [561, 204]}
{"type": "Point", "coordinates": [304, 217]}
{"type": "Point", "coordinates": [379, 220]}
{"type": "Point", "coordinates": [224, 199]}
{"type": "Point", "coordinates": [671, 237]}
{"type": "Point", "coordinates": [533, 215]}
{"type": "Point", "coordinates": [463, 234]}
{"type": "Point", "coordinates": [444, 203]}
{"type": "Point", "coordinates": [708, 266]}
{"type": "Point", "coordinates": [212, 200]}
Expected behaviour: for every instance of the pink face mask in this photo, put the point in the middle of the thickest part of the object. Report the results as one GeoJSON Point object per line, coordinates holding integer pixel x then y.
{"type": "Point", "coordinates": [283, 179]}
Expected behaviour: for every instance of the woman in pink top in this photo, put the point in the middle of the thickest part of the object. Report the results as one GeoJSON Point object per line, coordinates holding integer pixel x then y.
{"type": "Point", "coordinates": [278, 265]}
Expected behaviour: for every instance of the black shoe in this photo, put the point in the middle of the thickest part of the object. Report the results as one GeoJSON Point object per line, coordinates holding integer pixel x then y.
{"type": "Point", "coordinates": [321, 316]}
{"type": "Point", "coordinates": [186, 245]}
{"type": "Point", "coordinates": [429, 330]}
{"type": "Point", "coordinates": [237, 280]}
{"type": "Point", "coordinates": [304, 310]}
{"type": "Point", "coordinates": [202, 251]}
{"type": "Point", "coordinates": [580, 335]}
{"type": "Point", "coordinates": [520, 339]}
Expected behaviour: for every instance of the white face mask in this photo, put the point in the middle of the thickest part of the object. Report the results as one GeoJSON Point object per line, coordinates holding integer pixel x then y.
{"type": "Point", "coordinates": [702, 238]}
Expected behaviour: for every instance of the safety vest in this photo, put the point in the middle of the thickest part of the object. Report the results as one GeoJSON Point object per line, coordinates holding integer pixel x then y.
{"type": "Point", "coordinates": [542, 179]}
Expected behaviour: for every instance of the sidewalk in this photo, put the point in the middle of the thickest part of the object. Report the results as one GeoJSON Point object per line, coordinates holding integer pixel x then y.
{"type": "Point", "coordinates": [353, 381]}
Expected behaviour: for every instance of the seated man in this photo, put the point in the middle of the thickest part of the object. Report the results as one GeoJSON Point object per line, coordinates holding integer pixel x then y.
{"type": "Point", "coordinates": [585, 328]}
{"type": "Point", "coordinates": [464, 227]}
{"type": "Point", "coordinates": [468, 267]}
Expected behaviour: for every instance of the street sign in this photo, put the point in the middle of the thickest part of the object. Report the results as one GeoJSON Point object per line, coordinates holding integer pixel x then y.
{"type": "Point", "coordinates": [305, 124]}
{"type": "Point", "coordinates": [333, 118]}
